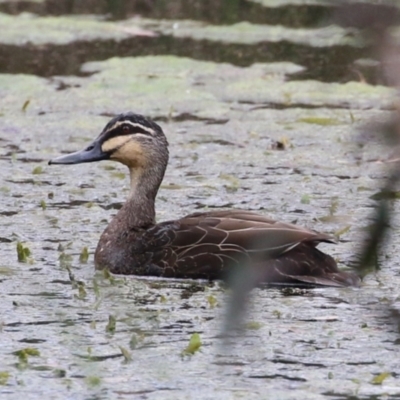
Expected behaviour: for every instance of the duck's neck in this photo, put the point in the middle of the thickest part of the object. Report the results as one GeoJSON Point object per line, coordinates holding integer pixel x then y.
{"type": "Point", "coordinates": [114, 250]}
{"type": "Point", "coordinates": [139, 209]}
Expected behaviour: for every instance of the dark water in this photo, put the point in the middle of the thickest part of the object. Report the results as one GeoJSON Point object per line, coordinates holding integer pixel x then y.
{"type": "Point", "coordinates": [228, 81]}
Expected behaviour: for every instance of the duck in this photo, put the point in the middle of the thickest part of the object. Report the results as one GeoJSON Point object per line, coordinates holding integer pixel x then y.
{"type": "Point", "coordinates": [203, 245]}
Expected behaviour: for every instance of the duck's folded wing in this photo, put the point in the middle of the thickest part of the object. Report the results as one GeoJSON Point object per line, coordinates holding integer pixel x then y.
{"type": "Point", "coordinates": [204, 245]}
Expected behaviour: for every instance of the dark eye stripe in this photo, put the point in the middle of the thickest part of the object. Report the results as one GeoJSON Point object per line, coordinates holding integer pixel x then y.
{"type": "Point", "coordinates": [119, 131]}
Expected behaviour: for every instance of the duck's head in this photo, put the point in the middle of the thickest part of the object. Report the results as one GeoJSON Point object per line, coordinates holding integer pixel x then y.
{"type": "Point", "coordinates": [131, 139]}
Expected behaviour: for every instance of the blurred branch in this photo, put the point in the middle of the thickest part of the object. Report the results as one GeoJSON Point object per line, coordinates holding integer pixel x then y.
{"type": "Point", "coordinates": [375, 22]}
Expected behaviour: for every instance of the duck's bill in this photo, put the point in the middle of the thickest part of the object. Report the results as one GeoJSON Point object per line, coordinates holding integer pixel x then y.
{"type": "Point", "coordinates": [90, 154]}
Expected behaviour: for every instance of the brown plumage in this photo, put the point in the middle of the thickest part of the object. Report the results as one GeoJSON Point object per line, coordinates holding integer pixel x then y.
{"type": "Point", "coordinates": [201, 245]}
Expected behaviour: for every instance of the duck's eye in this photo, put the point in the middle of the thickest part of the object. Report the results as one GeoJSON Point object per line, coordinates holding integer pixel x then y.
{"type": "Point", "coordinates": [126, 129]}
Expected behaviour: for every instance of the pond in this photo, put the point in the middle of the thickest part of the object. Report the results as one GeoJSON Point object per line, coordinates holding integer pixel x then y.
{"type": "Point", "coordinates": [263, 103]}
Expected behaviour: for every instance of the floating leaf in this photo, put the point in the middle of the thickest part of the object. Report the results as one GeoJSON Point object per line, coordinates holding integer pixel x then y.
{"type": "Point", "coordinates": [25, 105]}
{"type": "Point", "coordinates": [134, 341]}
{"type": "Point", "coordinates": [37, 170]}
{"type": "Point", "coordinates": [112, 322]}
{"type": "Point", "coordinates": [22, 252]}
{"type": "Point", "coordinates": [4, 376]}
{"type": "Point", "coordinates": [84, 256]}
{"type": "Point", "coordinates": [334, 205]}
{"type": "Point", "coordinates": [386, 195]}
{"type": "Point", "coordinates": [23, 354]}
{"type": "Point", "coordinates": [59, 373]}
{"type": "Point", "coordinates": [305, 199]}
{"type": "Point", "coordinates": [277, 313]}
{"type": "Point", "coordinates": [253, 325]}
{"type": "Point", "coordinates": [320, 121]}
{"type": "Point", "coordinates": [107, 275]}
{"type": "Point", "coordinates": [127, 355]}
{"type": "Point", "coordinates": [193, 346]}
{"type": "Point", "coordinates": [342, 231]}
{"type": "Point", "coordinates": [93, 380]}
{"type": "Point", "coordinates": [212, 301]}
{"type": "Point", "coordinates": [378, 379]}
{"type": "Point", "coordinates": [65, 260]}
{"type": "Point", "coordinates": [81, 290]}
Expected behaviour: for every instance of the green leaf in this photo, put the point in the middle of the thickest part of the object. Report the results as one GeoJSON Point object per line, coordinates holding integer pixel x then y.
{"type": "Point", "coordinates": [193, 346]}
{"type": "Point", "coordinates": [378, 379]}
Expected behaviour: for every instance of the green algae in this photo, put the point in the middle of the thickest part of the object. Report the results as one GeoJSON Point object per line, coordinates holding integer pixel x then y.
{"type": "Point", "coordinates": [196, 89]}
{"type": "Point", "coordinates": [57, 30]}
{"type": "Point", "coordinates": [311, 93]}
{"type": "Point", "coordinates": [248, 33]}
{"type": "Point", "coordinates": [67, 29]}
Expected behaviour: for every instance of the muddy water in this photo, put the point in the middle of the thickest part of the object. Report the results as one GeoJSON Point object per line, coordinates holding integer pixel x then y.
{"type": "Point", "coordinates": [70, 333]}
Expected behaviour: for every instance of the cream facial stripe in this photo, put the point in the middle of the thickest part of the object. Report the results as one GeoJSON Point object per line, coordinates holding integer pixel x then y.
{"type": "Point", "coordinates": [134, 125]}
{"type": "Point", "coordinates": [115, 143]}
